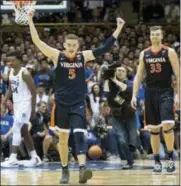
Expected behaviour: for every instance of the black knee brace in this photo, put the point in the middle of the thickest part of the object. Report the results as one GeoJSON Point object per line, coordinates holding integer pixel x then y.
{"type": "Point", "coordinates": [168, 131]}
{"type": "Point", "coordinates": [80, 143]}
{"type": "Point", "coordinates": [155, 133]}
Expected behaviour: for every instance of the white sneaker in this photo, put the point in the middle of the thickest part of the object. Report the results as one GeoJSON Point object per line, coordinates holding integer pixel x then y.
{"type": "Point", "coordinates": [33, 162]}
{"type": "Point", "coordinates": [11, 162]}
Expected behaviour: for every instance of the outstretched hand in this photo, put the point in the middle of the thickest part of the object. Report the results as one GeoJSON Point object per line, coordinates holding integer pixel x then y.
{"type": "Point", "coordinates": [30, 13]}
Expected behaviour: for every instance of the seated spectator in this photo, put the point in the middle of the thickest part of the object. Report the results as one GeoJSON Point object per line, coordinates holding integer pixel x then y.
{"type": "Point", "coordinates": [41, 95]}
{"type": "Point", "coordinates": [39, 127]}
{"type": "Point", "coordinates": [44, 76]}
{"type": "Point", "coordinates": [50, 142]}
{"type": "Point", "coordinates": [6, 124]}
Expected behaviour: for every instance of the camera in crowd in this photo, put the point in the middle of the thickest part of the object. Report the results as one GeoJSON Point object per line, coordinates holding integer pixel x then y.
{"type": "Point", "coordinates": [108, 71]}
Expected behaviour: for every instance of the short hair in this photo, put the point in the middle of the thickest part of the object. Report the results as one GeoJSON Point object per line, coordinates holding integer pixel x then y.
{"type": "Point", "coordinates": [14, 54]}
{"type": "Point", "coordinates": [153, 28]}
{"type": "Point", "coordinates": [71, 36]}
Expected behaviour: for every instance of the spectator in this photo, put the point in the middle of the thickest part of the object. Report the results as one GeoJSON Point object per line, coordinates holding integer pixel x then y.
{"type": "Point", "coordinates": [172, 12]}
{"type": "Point", "coordinates": [124, 120]}
{"type": "Point", "coordinates": [40, 127]}
{"type": "Point", "coordinates": [6, 131]}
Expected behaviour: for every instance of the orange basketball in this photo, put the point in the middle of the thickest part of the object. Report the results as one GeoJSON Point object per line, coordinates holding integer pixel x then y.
{"type": "Point", "coordinates": [95, 152]}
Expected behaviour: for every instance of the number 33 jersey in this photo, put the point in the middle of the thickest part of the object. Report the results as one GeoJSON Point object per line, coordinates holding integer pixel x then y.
{"type": "Point", "coordinates": [158, 68]}
{"type": "Point", "coordinates": [19, 87]}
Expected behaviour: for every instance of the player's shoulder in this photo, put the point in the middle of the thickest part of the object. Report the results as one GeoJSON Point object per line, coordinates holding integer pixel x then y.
{"type": "Point", "coordinates": [25, 71]}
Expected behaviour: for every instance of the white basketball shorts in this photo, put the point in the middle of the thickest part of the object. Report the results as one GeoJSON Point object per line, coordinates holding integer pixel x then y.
{"type": "Point", "coordinates": [22, 112]}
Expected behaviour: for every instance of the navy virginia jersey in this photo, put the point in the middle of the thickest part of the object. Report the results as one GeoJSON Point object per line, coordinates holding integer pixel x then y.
{"type": "Point", "coordinates": [70, 83]}
{"type": "Point", "coordinates": [158, 68]}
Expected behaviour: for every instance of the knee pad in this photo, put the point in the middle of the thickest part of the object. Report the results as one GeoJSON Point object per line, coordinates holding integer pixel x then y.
{"type": "Point", "coordinates": [16, 136]}
{"type": "Point", "coordinates": [80, 143]}
{"type": "Point", "coordinates": [168, 131]}
{"type": "Point", "coordinates": [155, 133]}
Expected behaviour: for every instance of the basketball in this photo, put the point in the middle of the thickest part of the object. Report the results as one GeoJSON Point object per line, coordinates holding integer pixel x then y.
{"type": "Point", "coordinates": [95, 152]}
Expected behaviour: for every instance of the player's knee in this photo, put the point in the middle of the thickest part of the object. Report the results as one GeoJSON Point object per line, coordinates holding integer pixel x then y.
{"type": "Point", "coordinates": [80, 143]}
{"type": "Point", "coordinates": [63, 138]}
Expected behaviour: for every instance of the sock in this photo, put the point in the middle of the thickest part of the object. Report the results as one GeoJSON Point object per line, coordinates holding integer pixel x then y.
{"type": "Point", "coordinates": [81, 166]}
{"type": "Point", "coordinates": [157, 158]}
{"type": "Point", "coordinates": [64, 167]}
{"type": "Point", "coordinates": [33, 154]}
{"type": "Point", "coordinates": [13, 155]}
{"type": "Point", "coordinates": [170, 155]}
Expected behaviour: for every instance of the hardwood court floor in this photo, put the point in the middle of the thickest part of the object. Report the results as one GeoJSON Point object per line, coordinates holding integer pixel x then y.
{"type": "Point", "coordinates": [104, 173]}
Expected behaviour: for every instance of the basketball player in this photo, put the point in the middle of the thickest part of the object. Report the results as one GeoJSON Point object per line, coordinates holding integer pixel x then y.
{"type": "Point", "coordinates": [70, 93]}
{"type": "Point", "coordinates": [23, 90]}
{"type": "Point", "coordinates": [158, 61]}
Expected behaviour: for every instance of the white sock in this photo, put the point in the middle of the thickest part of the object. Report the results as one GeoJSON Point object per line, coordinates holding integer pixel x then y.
{"type": "Point", "coordinates": [13, 155]}
{"type": "Point", "coordinates": [33, 154]}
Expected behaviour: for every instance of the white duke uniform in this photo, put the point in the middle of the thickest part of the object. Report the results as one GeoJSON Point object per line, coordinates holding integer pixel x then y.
{"type": "Point", "coordinates": [21, 97]}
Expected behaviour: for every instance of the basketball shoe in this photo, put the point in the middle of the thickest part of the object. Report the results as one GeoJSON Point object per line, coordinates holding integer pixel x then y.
{"type": "Point", "coordinates": [157, 168]}
{"type": "Point", "coordinates": [84, 174]}
{"type": "Point", "coordinates": [11, 162]}
{"type": "Point", "coordinates": [33, 162]}
{"type": "Point", "coordinates": [65, 176]}
{"type": "Point", "coordinates": [171, 167]}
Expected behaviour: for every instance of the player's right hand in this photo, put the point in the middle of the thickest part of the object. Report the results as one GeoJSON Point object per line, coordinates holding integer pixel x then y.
{"type": "Point", "coordinates": [134, 103]}
{"type": "Point", "coordinates": [30, 13]}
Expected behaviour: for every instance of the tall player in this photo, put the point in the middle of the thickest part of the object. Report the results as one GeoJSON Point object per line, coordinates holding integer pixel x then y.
{"type": "Point", "coordinates": [23, 90]}
{"type": "Point", "coordinates": [158, 61]}
{"type": "Point", "coordinates": [70, 93]}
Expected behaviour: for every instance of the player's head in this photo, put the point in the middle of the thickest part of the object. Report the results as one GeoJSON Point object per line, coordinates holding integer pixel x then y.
{"type": "Point", "coordinates": [14, 59]}
{"type": "Point", "coordinates": [71, 44]}
{"type": "Point", "coordinates": [121, 73]}
{"type": "Point", "coordinates": [156, 34]}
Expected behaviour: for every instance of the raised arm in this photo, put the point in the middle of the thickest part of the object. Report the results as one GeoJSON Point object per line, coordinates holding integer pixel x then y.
{"type": "Point", "coordinates": [137, 80]}
{"type": "Point", "coordinates": [90, 55]}
{"type": "Point", "coordinates": [44, 48]}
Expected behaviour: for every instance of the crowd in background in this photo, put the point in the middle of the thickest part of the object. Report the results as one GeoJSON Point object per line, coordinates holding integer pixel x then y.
{"type": "Point", "coordinates": [126, 51]}
{"type": "Point", "coordinates": [163, 11]}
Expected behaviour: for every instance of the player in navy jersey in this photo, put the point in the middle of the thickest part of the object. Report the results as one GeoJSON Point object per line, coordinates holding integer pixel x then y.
{"type": "Point", "coordinates": [159, 62]}
{"type": "Point", "coordinates": [70, 93]}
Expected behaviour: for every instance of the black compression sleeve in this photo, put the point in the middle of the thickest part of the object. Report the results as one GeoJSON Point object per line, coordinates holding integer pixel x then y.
{"type": "Point", "coordinates": [105, 48]}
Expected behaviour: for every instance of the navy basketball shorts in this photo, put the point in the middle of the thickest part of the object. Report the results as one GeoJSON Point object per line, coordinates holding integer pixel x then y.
{"type": "Point", "coordinates": [71, 117]}
{"type": "Point", "coordinates": [159, 106]}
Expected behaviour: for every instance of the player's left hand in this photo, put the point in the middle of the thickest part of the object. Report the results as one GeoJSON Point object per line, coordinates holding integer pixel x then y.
{"type": "Point", "coordinates": [120, 22]}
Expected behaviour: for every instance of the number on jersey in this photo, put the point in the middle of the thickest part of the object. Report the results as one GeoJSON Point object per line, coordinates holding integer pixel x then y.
{"type": "Point", "coordinates": [155, 68]}
{"type": "Point", "coordinates": [14, 90]}
{"type": "Point", "coordinates": [72, 73]}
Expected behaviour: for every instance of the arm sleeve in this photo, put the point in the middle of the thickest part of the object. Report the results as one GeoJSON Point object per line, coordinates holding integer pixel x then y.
{"type": "Point", "coordinates": [105, 48]}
